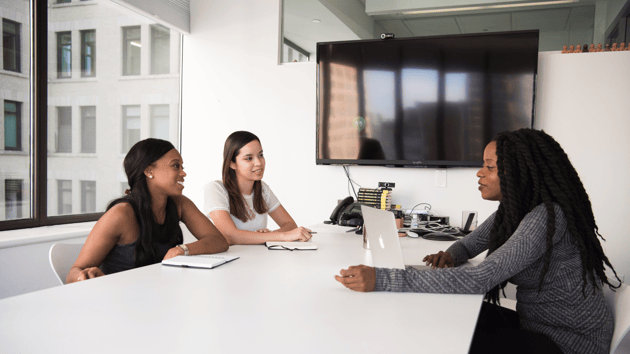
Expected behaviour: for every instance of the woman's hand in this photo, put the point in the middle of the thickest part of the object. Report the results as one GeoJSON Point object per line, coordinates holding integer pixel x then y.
{"type": "Point", "coordinates": [174, 252]}
{"type": "Point", "coordinates": [263, 230]}
{"type": "Point", "coordinates": [439, 260]}
{"type": "Point", "coordinates": [358, 278]}
{"type": "Point", "coordinates": [89, 273]}
{"type": "Point", "coordinates": [301, 234]}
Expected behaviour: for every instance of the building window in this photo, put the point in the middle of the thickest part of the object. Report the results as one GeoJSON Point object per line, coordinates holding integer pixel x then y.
{"type": "Point", "coordinates": [64, 196]}
{"type": "Point", "coordinates": [63, 1]}
{"type": "Point", "coordinates": [88, 196]}
{"type": "Point", "coordinates": [131, 126]}
{"type": "Point", "coordinates": [160, 49]}
{"type": "Point", "coordinates": [159, 121]}
{"type": "Point", "coordinates": [64, 129]}
{"type": "Point", "coordinates": [64, 55]}
{"type": "Point", "coordinates": [88, 129]}
{"type": "Point", "coordinates": [13, 199]}
{"type": "Point", "coordinates": [88, 53]}
{"type": "Point", "coordinates": [12, 125]}
{"type": "Point", "coordinates": [11, 45]}
{"type": "Point", "coordinates": [132, 46]}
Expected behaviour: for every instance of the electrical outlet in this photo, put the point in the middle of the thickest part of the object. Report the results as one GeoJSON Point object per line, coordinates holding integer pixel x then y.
{"type": "Point", "coordinates": [440, 178]}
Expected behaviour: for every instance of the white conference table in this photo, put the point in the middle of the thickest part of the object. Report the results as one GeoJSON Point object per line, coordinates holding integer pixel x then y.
{"type": "Point", "coordinates": [265, 302]}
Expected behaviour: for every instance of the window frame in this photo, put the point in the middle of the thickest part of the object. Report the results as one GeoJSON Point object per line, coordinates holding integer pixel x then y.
{"type": "Point", "coordinates": [18, 45]}
{"type": "Point", "coordinates": [60, 73]}
{"type": "Point", "coordinates": [126, 67]}
{"type": "Point", "coordinates": [18, 125]}
{"type": "Point", "coordinates": [39, 146]}
{"type": "Point", "coordinates": [84, 55]}
{"type": "Point", "coordinates": [39, 114]}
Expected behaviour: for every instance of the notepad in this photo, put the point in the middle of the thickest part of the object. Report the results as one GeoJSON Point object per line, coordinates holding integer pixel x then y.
{"type": "Point", "coordinates": [291, 246]}
{"type": "Point", "coordinates": [198, 261]}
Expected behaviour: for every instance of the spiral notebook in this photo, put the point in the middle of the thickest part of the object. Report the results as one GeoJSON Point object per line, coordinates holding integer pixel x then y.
{"type": "Point", "coordinates": [198, 261]}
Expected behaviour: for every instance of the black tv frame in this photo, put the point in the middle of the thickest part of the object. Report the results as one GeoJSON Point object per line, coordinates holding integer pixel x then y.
{"type": "Point", "coordinates": [408, 163]}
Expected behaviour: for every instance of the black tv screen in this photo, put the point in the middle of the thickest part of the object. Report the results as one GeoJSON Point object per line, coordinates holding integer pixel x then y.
{"type": "Point", "coordinates": [424, 101]}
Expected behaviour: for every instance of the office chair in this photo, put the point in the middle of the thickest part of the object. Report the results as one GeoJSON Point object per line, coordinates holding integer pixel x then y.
{"type": "Point", "coordinates": [619, 304]}
{"type": "Point", "coordinates": [62, 256]}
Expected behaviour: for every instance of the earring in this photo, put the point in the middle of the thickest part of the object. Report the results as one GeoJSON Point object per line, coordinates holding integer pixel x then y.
{"type": "Point", "coordinates": [150, 176]}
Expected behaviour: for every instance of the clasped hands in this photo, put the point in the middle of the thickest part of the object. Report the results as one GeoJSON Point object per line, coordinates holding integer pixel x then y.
{"type": "Point", "coordinates": [363, 278]}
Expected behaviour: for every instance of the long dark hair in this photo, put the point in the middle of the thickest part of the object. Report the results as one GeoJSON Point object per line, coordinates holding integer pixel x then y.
{"type": "Point", "coordinates": [139, 157]}
{"type": "Point", "coordinates": [231, 149]}
{"type": "Point", "coordinates": [533, 169]}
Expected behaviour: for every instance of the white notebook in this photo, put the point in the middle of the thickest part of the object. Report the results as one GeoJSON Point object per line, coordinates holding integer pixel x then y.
{"type": "Point", "coordinates": [198, 261]}
{"type": "Point", "coordinates": [291, 246]}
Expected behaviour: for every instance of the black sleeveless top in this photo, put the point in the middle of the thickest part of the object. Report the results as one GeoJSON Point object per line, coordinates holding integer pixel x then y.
{"type": "Point", "coordinates": [122, 257]}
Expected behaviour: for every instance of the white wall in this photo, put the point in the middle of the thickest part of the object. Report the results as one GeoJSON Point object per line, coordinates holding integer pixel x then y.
{"type": "Point", "coordinates": [232, 82]}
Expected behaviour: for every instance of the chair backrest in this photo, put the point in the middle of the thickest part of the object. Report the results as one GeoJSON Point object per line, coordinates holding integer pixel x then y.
{"type": "Point", "coordinates": [62, 256]}
{"type": "Point", "coordinates": [619, 304]}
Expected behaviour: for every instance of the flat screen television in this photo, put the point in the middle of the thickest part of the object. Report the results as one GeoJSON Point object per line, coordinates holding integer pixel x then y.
{"type": "Point", "coordinates": [424, 101]}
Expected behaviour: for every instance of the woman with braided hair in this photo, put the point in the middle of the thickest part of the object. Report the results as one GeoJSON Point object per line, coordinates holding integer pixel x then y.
{"type": "Point", "coordinates": [543, 238]}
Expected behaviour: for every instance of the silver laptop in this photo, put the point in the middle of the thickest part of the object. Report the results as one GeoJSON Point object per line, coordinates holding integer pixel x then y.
{"type": "Point", "coordinates": [382, 235]}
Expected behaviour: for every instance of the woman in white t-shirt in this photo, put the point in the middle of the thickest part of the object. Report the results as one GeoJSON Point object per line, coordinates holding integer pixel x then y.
{"type": "Point", "coordinates": [238, 205]}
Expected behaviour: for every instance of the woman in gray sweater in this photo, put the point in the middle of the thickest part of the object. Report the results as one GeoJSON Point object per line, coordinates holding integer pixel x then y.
{"type": "Point", "coordinates": [543, 238]}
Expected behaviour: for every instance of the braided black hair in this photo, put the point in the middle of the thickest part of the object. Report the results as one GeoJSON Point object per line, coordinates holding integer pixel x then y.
{"type": "Point", "coordinates": [533, 169]}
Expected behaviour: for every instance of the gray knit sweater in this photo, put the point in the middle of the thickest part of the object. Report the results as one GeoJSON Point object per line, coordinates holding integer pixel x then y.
{"type": "Point", "coordinates": [577, 323]}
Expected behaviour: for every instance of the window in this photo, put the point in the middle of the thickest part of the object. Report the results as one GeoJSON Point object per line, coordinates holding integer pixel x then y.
{"type": "Point", "coordinates": [64, 129]}
{"type": "Point", "coordinates": [88, 129]}
{"type": "Point", "coordinates": [88, 196]}
{"type": "Point", "coordinates": [64, 55]}
{"type": "Point", "coordinates": [88, 53]}
{"type": "Point", "coordinates": [160, 49]}
{"type": "Point", "coordinates": [64, 197]}
{"type": "Point", "coordinates": [13, 198]}
{"type": "Point", "coordinates": [12, 125]}
{"type": "Point", "coordinates": [11, 45]}
{"type": "Point", "coordinates": [159, 121]}
{"type": "Point", "coordinates": [131, 50]}
{"type": "Point", "coordinates": [58, 162]}
{"type": "Point", "coordinates": [63, 1]}
{"type": "Point", "coordinates": [131, 126]}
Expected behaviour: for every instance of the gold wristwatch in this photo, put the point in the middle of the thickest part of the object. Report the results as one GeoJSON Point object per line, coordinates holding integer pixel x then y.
{"type": "Point", "coordinates": [184, 248]}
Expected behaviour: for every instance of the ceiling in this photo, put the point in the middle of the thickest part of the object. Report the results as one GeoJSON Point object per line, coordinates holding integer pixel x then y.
{"type": "Point", "coordinates": [339, 20]}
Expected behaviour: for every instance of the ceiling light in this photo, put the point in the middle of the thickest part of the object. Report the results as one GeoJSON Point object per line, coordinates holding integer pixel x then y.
{"type": "Point", "coordinates": [488, 7]}
{"type": "Point", "coordinates": [316, 20]}
{"type": "Point", "coordinates": [136, 44]}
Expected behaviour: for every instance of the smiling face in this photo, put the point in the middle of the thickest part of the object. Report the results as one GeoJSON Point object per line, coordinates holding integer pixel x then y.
{"type": "Point", "coordinates": [249, 164]}
{"type": "Point", "coordinates": [167, 174]}
{"type": "Point", "coordinates": [489, 185]}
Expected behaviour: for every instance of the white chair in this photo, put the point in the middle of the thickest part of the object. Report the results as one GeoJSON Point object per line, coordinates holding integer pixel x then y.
{"type": "Point", "coordinates": [619, 304]}
{"type": "Point", "coordinates": [62, 256]}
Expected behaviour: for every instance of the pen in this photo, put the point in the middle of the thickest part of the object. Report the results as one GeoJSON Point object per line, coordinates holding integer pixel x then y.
{"type": "Point", "coordinates": [312, 232]}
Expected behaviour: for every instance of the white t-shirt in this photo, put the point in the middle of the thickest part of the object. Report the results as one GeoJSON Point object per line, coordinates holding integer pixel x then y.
{"type": "Point", "coordinates": [215, 197]}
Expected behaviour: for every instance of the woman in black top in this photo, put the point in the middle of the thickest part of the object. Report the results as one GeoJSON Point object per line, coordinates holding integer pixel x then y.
{"type": "Point", "coordinates": [142, 227]}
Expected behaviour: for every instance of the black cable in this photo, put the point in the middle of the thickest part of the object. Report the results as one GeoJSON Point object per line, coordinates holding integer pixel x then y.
{"type": "Point", "coordinates": [412, 209]}
{"type": "Point", "coordinates": [351, 182]}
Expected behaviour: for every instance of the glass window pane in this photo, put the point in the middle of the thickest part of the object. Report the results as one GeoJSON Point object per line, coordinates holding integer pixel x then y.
{"type": "Point", "coordinates": [64, 129]}
{"type": "Point", "coordinates": [132, 47]}
{"type": "Point", "coordinates": [88, 129]}
{"type": "Point", "coordinates": [93, 123]}
{"type": "Point", "coordinates": [64, 55]}
{"type": "Point", "coordinates": [15, 114]}
{"type": "Point", "coordinates": [88, 53]}
{"type": "Point", "coordinates": [160, 49]}
{"type": "Point", "coordinates": [159, 121]}
{"type": "Point", "coordinates": [11, 45]}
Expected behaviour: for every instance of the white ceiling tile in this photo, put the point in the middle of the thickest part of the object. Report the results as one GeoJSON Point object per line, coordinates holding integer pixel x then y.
{"type": "Point", "coordinates": [544, 20]}
{"type": "Point", "coordinates": [485, 23]}
{"type": "Point", "coordinates": [433, 26]}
